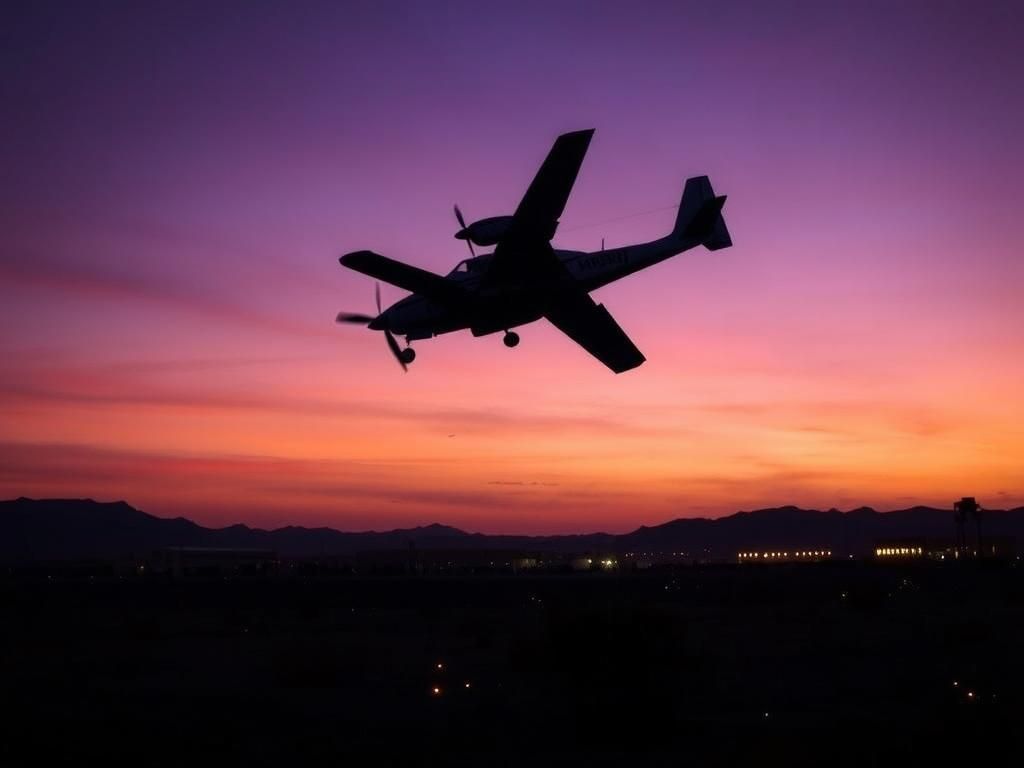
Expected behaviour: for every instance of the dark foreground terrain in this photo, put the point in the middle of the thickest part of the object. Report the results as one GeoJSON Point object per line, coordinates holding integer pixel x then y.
{"type": "Point", "coordinates": [840, 663]}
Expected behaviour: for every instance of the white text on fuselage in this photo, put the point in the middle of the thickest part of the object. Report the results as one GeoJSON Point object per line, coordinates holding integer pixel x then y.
{"type": "Point", "coordinates": [600, 260]}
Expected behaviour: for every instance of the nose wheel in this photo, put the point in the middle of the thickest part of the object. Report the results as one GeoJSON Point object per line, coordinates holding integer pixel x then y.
{"type": "Point", "coordinates": [511, 339]}
{"type": "Point", "coordinates": [407, 355]}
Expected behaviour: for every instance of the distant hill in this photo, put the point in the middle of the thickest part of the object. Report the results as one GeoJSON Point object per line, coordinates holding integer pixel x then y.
{"type": "Point", "coordinates": [787, 528]}
{"type": "Point", "coordinates": [61, 529]}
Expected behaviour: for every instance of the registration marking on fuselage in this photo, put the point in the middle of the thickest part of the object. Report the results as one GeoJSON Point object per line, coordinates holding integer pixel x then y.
{"type": "Point", "coordinates": [598, 260]}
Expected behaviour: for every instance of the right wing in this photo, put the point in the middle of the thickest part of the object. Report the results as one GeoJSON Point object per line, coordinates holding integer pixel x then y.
{"type": "Point", "coordinates": [413, 279]}
{"type": "Point", "coordinates": [591, 326]}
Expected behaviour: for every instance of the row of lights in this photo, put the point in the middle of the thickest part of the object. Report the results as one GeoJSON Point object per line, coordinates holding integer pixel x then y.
{"type": "Point", "coordinates": [776, 555]}
{"type": "Point", "coordinates": [896, 551]}
{"type": "Point", "coordinates": [656, 554]}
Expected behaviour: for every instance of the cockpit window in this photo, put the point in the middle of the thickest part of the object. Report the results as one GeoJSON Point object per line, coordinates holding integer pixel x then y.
{"type": "Point", "coordinates": [471, 265]}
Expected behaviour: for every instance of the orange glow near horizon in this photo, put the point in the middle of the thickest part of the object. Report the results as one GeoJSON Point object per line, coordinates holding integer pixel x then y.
{"type": "Point", "coordinates": [270, 445]}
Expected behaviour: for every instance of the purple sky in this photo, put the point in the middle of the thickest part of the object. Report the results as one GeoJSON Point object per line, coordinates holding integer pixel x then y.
{"type": "Point", "coordinates": [179, 179]}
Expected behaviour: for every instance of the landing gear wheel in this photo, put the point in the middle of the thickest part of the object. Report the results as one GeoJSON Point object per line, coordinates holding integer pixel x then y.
{"type": "Point", "coordinates": [511, 339]}
{"type": "Point", "coordinates": [408, 355]}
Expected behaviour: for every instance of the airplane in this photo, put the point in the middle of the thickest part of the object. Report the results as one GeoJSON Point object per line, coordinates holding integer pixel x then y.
{"type": "Point", "coordinates": [524, 279]}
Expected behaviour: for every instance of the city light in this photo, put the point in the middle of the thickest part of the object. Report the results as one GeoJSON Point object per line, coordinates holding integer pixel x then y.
{"type": "Point", "coordinates": [899, 551]}
{"type": "Point", "coordinates": [784, 555]}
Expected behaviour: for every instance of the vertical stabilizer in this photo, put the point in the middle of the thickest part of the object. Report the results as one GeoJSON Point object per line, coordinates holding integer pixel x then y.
{"type": "Point", "coordinates": [700, 215]}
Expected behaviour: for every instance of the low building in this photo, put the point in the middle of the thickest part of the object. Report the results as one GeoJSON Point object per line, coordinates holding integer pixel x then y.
{"type": "Point", "coordinates": [594, 563]}
{"type": "Point", "coordinates": [523, 564]}
{"type": "Point", "coordinates": [921, 548]}
{"type": "Point", "coordinates": [784, 555]}
{"type": "Point", "coordinates": [914, 549]}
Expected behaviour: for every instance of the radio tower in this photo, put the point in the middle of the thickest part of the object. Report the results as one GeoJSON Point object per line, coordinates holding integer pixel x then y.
{"type": "Point", "coordinates": [966, 507]}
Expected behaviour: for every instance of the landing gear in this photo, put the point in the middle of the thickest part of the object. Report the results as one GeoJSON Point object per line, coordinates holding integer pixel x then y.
{"type": "Point", "coordinates": [511, 339]}
{"type": "Point", "coordinates": [407, 355]}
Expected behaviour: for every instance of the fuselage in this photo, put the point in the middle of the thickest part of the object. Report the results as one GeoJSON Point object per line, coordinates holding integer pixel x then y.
{"type": "Point", "coordinates": [511, 305]}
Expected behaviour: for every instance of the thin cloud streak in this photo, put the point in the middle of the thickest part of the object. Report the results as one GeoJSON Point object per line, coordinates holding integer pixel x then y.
{"type": "Point", "coordinates": [73, 280]}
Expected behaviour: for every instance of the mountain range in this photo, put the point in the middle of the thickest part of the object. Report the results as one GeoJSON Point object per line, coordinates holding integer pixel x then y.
{"type": "Point", "coordinates": [63, 529]}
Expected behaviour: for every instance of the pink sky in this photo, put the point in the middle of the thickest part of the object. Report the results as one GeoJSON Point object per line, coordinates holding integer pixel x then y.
{"type": "Point", "coordinates": [180, 182]}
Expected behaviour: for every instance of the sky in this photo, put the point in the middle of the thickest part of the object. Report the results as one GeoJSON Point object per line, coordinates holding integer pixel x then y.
{"type": "Point", "coordinates": [180, 178]}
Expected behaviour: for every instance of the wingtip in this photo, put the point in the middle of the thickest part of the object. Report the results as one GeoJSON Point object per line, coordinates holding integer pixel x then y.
{"type": "Point", "coordinates": [630, 365]}
{"type": "Point", "coordinates": [349, 258]}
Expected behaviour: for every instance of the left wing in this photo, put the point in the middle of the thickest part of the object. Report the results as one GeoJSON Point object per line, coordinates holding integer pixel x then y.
{"type": "Point", "coordinates": [542, 205]}
{"type": "Point", "coordinates": [535, 220]}
{"type": "Point", "coordinates": [591, 326]}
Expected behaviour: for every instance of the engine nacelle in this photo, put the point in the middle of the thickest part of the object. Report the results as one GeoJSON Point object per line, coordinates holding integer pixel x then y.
{"type": "Point", "coordinates": [486, 231]}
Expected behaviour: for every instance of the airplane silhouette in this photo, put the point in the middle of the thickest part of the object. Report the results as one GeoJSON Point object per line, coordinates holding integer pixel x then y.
{"type": "Point", "coordinates": [525, 279]}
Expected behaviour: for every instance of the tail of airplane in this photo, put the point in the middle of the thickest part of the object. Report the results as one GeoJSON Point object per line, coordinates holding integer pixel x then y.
{"type": "Point", "coordinates": [700, 216]}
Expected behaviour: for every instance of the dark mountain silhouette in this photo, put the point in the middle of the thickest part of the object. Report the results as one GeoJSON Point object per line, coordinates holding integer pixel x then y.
{"type": "Point", "coordinates": [56, 529]}
{"type": "Point", "coordinates": [787, 528]}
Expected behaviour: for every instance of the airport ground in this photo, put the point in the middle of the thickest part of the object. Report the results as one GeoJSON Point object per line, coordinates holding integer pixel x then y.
{"type": "Point", "coordinates": [831, 663]}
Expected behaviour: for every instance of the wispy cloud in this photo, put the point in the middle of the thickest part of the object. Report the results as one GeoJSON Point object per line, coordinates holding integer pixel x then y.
{"type": "Point", "coordinates": [523, 483]}
{"type": "Point", "coordinates": [94, 282]}
{"type": "Point", "coordinates": [112, 390]}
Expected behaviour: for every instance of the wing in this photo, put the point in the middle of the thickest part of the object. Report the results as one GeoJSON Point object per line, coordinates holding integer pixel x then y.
{"type": "Point", "coordinates": [535, 220]}
{"type": "Point", "coordinates": [413, 279]}
{"type": "Point", "coordinates": [591, 326]}
{"type": "Point", "coordinates": [544, 201]}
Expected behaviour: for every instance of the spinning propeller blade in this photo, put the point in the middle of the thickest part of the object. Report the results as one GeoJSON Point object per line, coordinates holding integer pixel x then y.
{"type": "Point", "coordinates": [354, 318]}
{"type": "Point", "coordinates": [359, 319]}
{"type": "Point", "coordinates": [395, 349]}
{"type": "Point", "coordinates": [462, 223]}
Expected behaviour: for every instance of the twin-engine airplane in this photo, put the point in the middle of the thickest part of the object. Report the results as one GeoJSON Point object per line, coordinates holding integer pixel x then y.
{"type": "Point", "coordinates": [525, 279]}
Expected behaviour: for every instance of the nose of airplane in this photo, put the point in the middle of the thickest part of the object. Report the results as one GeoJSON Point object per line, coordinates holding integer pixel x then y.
{"type": "Point", "coordinates": [379, 323]}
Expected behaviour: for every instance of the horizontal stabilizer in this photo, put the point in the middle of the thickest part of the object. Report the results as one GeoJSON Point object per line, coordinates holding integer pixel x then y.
{"type": "Point", "coordinates": [703, 221]}
{"type": "Point", "coordinates": [720, 237]}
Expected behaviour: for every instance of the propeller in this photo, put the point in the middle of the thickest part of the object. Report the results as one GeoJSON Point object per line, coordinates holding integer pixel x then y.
{"type": "Point", "coordinates": [392, 344]}
{"type": "Point", "coordinates": [462, 223]}
{"type": "Point", "coordinates": [361, 319]}
{"type": "Point", "coordinates": [354, 317]}
{"type": "Point", "coordinates": [395, 349]}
